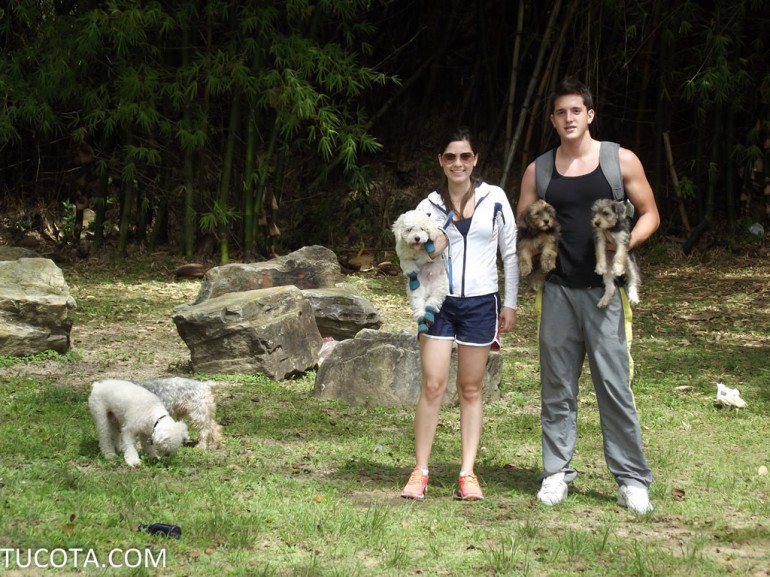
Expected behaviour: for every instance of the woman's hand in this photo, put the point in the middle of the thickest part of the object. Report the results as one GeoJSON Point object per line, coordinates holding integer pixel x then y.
{"type": "Point", "coordinates": [439, 246]}
{"type": "Point", "coordinates": [507, 319]}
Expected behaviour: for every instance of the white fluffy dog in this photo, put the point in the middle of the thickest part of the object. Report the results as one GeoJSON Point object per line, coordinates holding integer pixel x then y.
{"type": "Point", "coordinates": [427, 280]}
{"type": "Point", "coordinates": [189, 398]}
{"type": "Point", "coordinates": [124, 412]}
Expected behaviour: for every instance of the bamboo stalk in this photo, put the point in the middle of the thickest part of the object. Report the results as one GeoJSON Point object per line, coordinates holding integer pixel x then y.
{"type": "Point", "coordinates": [514, 77]}
{"type": "Point", "coordinates": [675, 182]}
{"type": "Point", "coordinates": [544, 47]}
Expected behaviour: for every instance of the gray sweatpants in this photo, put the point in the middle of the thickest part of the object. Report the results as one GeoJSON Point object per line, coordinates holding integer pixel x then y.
{"type": "Point", "coordinates": [571, 326]}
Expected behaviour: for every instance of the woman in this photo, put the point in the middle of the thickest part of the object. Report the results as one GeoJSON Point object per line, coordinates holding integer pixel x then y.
{"type": "Point", "coordinates": [479, 222]}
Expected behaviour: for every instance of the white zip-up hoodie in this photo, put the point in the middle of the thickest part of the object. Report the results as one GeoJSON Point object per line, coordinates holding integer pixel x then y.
{"type": "Point", "coordinates": [472, 259]}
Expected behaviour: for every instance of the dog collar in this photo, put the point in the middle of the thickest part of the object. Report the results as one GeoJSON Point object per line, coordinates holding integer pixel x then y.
{"type": "Point", "coordinates": [158, 421]}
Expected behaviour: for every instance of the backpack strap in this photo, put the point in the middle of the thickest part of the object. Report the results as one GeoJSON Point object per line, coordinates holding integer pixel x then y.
{"type": "Point", "coordinates": [609, 160]}
{"type": "Point", "coordinates": [543, 171]}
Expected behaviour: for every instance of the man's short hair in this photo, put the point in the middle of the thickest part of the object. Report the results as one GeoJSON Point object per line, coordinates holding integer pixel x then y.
{"type": "Point", "coordinates": [569, 86]}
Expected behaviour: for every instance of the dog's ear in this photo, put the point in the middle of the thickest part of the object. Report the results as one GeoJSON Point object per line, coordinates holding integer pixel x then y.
{"type": "Point", "coordinates": [620, 210]}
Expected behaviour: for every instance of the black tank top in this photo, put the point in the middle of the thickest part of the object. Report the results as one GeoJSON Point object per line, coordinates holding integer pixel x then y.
{"type": "Point", "coordinates": [572, 197]}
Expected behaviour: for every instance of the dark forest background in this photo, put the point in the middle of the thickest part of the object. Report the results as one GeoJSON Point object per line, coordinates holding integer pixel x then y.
{"type": "Point", "coordinates": [238, 130]}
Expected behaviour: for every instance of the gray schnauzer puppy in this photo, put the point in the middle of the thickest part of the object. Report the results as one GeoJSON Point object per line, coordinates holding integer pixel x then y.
{"type": "Point", "coordinates": [612, 224]}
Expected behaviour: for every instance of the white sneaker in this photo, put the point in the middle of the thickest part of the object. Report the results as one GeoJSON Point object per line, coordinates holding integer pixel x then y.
{"type": "Point", "coordinates": [635, 498]}
{"type": "Point", "coordinates": [553, 490]}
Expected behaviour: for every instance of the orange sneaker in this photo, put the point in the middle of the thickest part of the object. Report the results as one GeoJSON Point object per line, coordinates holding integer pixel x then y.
{"type": "Point", "coordinates": [470, 490]}
{"type": "Point", "coordinates": [415, 487]}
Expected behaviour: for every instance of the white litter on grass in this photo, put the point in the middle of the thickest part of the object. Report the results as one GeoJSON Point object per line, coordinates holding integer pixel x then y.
{"type": "Point", "coordinates": [727, 397]}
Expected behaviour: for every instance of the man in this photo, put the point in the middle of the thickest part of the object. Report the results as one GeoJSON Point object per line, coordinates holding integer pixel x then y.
{"type": "Point", "coordinates": [570, 323]}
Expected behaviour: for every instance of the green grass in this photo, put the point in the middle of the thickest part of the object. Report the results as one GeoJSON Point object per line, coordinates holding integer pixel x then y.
{"type": "Point", "coordinates": [309, 487]}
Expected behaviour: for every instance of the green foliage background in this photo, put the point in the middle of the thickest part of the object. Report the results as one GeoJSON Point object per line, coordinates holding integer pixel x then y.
{"type": "Point", "coordinates": [251, 127]}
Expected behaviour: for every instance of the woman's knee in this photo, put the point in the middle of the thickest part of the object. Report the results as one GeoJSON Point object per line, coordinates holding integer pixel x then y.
{"type": "Point", "coordinates": [433, 390]}
{"type": "Point", "coordinates": [469, 392]}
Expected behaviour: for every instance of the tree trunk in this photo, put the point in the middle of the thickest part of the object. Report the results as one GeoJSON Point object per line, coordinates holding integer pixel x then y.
{"type": "Point", "coordinates": [713, 178]}
{"type": "Point", "coordinates": [159, 231]}
{"type": "Point", "coordinates": [514, 79]}
{"type": "Point", "coordinates": [100, 207]}
{"type": "Point", "coordinates": [531, 89]}
{"type": "Point", "coordinates": [127, 203]}
{"type": "Point", "coordinates": [249, 216]}
{"type": "Point", "coordinates": [648, 54]}
{"type": "Point", "coordinates": [675, 183]}
{"type": "Point", "coordinates": [188, 233]}
{"type": "Point", "coordinates": [188, 203]}
{"type": "Point", "coordinates": [264, 178]}
{"type": "Point", "coordinates": [729, 187]}
{"type": "Point", "coordinates": [223, 222]}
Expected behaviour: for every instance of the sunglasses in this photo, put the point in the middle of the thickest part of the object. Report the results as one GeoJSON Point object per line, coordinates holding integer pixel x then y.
{"type": "Point", "coordinates": [450, 157]}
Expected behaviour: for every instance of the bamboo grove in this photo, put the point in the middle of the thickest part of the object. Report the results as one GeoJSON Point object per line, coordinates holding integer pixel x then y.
{"type": "Point", "coordinates": [190, 122]}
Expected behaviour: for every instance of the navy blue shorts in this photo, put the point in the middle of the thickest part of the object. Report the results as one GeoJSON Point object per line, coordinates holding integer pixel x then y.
{"type": "Point", "coordinates": [468, 320]}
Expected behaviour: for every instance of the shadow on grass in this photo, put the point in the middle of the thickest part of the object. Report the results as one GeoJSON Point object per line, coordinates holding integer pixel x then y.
{"type": "Point", "coordinates": [443, 476]}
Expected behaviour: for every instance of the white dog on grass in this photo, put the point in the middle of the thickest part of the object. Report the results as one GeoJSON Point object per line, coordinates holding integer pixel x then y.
{"type": "Point", "coordinates": [193, 399]}
{"type": "Point", "coordinates": [427, 280]}
{"type": "Point", "coordinates": [124, 412]}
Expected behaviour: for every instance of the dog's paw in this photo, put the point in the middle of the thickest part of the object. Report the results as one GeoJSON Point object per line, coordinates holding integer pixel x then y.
{"type": "Point", "coordinates": [548, 262]}
{"type": "Point", "coordinates": [525, 268]}
{"type": "Point", "coordinates": [422, 326]}
{"type": "Point", "coordinates": [414, 282]}
{"type": "Point", "coordinates": [606, 299]}
{"type": "Point", "coordinates": [618, 269]}
{"type": "Point", "coordinates": [633, 295]}
{"type": "Point", "coordinates": [430, 315]}
{"type": "Point", "coordinates": [601, 268]}
{"type": "Point", "coordinates": [430, 247]}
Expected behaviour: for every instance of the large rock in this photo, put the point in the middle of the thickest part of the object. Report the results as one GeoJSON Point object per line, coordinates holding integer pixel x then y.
{"type": "Point", "coordinates": [378, 368]}
{"type": "Point", "coordinates": [35, 307]}
{"type": "Point", "coordinates": [340, 313]}
{"type": "Point", "coordinates": [308, 267]}
{"type": "Point", "coordinates": [16, 252]}
{"type": "Point", "coordinates": [270, 331]}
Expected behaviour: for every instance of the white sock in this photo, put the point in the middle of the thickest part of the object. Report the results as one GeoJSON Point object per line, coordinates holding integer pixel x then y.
{"type": "Point", "coordinates": [424, 471]}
